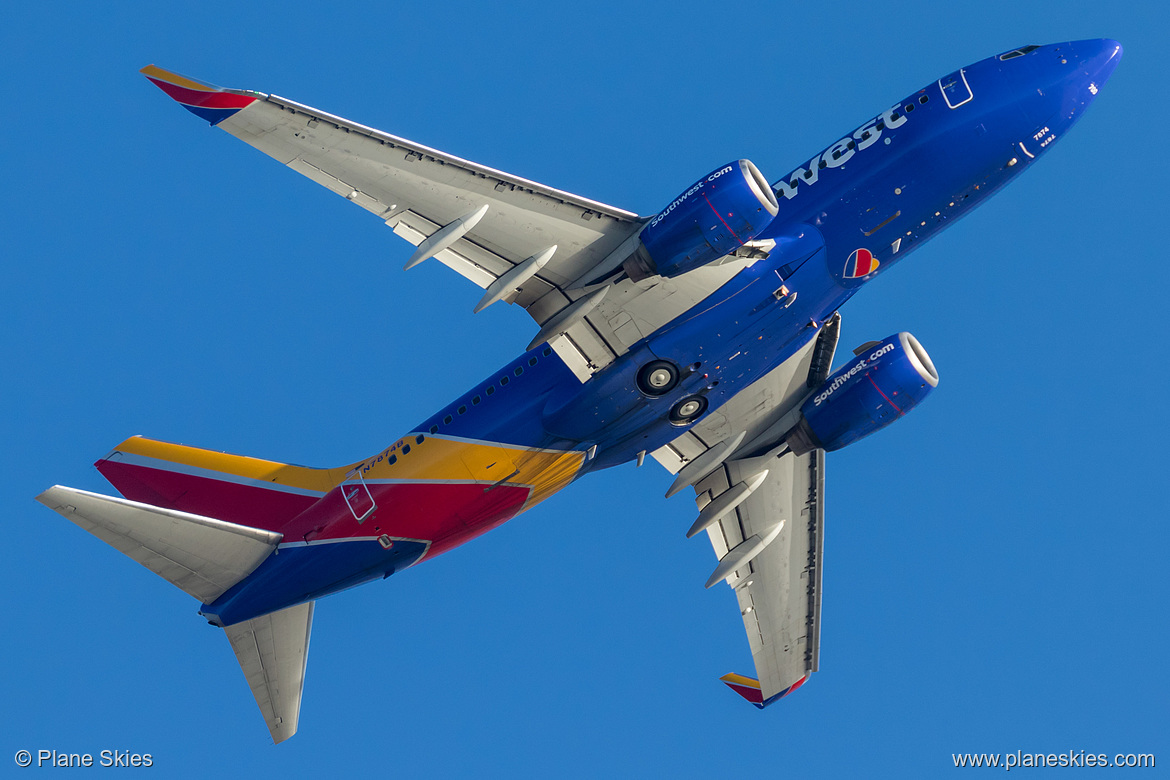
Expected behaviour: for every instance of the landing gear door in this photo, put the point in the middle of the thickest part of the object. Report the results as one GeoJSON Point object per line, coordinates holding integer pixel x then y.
{"type": "Point", "coordinates": [357, 496]}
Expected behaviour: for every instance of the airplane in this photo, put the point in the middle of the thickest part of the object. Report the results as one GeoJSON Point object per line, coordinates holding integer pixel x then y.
{"type": "Point", "coordinates": [703, 336]}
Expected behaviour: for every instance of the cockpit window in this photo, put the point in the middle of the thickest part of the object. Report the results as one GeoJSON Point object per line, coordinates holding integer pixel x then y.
{"type": "Point", "coordinates": [1019, 52]}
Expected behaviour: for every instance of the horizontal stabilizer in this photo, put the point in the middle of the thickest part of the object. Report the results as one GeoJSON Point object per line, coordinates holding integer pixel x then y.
{"type": "Point", "coordinates": [272, 651]}
{"type": "Point", "coordinates": [200, 555]}
{"type": "Point", "coordinates": [749, 688]}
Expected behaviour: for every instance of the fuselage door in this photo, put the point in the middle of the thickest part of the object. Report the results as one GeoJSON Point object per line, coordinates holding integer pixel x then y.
{"type": "Point", "coordinates": [956, 91]}
{"type": "Point", "coordinates": [357, 496]}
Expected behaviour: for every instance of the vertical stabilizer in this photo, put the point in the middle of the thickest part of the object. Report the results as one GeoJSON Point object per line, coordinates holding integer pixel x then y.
{"type": "Point", "coordinates": [248, 491]}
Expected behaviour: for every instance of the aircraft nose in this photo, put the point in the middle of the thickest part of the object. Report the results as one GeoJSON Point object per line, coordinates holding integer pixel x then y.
{"type": "Point", "coordinates": [1101, 58]}
{"type": "Point", "coordinates": [1070, 75]}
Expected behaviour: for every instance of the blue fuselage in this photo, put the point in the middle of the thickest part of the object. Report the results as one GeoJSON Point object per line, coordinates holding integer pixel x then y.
{"type": "Point", "coordinates": [845, 215]}
{"type": "Point", "coordinates": [881, 190]}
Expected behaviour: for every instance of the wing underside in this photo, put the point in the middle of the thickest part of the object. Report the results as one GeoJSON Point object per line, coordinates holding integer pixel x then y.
{"type": "Point", "coordinates": [779, 591]}
{"type": "Point", "coordinates": [494, 228]}
{"type": "Point", "coordinates": [770, 543]}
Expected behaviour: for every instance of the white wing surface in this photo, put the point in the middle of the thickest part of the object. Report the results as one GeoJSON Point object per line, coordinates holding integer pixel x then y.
{"type": "Point", "coordinates": [763, 510]}
{"type": "Point", "coordinates": [779, 590]}
{"type": "Point", "coordinates": [525, 242]}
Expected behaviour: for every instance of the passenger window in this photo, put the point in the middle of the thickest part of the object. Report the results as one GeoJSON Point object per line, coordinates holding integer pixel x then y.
{"type": "Point", "coordinates": [447, 420]}
{"type": "Point", "coordinates": [393, 459]}
{"type": "Point", "coordinates": [908, 107]}
{"type": "Point", "coordinates": [434, 429]}
{"type": "Point", "coordinates": [503, 381]}
{"type": "Point", "coordinates": [490, 389]}
{"type": "Point", "coordinates": [475, 401]}
{"type": "Point", "coordinates": [419, 439]}
{"type": "Point", "coordinates": [462, 410]}
{"type": "Point", "coordinates": [923, 99]}
{"type": "Point", "coordinates": [547, 351]}
{"type": "Point", "coordinates": [405, 449]}
{"type": "Point", "coordinates": [519, 370]}
{"type": "Point", "coordinates": [532, 361]}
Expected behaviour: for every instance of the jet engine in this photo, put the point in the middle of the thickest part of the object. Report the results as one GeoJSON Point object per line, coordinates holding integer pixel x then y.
{"type": "Point", "coordinates": [885, 381]}
{"type": "Point", "coordinates": [714, 217]}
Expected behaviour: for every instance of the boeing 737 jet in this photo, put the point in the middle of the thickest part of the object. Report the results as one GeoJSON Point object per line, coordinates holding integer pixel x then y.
{"type": "Point", "coordinates": [702, 336]}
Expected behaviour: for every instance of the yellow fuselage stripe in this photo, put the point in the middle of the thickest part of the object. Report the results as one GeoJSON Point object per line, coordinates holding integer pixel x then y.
{"type": "Point", "coordinates": [435, 459]}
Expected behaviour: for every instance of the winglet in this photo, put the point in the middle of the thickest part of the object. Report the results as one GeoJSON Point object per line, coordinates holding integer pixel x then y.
{"type": "Point", "coordinates": [749, 688]}
{"type": "Point", "coordinates": [204, 100]}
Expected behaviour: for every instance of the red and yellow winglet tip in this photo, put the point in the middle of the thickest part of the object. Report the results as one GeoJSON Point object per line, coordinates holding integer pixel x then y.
{"type": "Point", "coordinates": [204, 100]}
{"type": "Point", "coordinates": [749, 688]}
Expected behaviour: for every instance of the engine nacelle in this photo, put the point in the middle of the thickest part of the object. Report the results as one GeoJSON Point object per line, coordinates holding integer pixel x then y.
{"type": "Point", "coordinates": [714, 217]}
{"type": "Point", "coordinates": [886, 381]}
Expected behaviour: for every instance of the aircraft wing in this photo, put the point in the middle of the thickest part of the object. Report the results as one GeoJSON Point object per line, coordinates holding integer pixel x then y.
{"type": "Point", "coordinates": [778, 591]}
{"type": "Point", "coordinates": [778, 588]}
{"type": "Point", "coordinates": [525, 242]}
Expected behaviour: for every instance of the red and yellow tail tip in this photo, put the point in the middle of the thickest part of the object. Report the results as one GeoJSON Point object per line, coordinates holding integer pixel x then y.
{"type": "Point", "coordinates": [749, 688]}
{"type": "Point", "coordinates": [204, 100]}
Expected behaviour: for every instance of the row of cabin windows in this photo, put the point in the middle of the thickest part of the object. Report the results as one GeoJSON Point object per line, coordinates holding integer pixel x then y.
{"type": "Point", "coordinates": [405, 449]}
{"type": "Point", "coordinates": [476, 400]}
{"type": "Point", "coordinates": [908, 108]}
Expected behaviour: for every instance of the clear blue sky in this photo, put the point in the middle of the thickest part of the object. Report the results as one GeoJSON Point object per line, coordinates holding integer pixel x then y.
{"type": "Point", "coordinates": [995, 563]}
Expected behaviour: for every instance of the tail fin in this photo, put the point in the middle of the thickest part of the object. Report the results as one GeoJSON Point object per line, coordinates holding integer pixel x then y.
{"type": "Point", "coordinates": [248, 491]}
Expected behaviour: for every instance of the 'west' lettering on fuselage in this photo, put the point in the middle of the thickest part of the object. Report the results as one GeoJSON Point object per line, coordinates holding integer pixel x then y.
{"type": "Point", "coordinates": [840, 153]}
